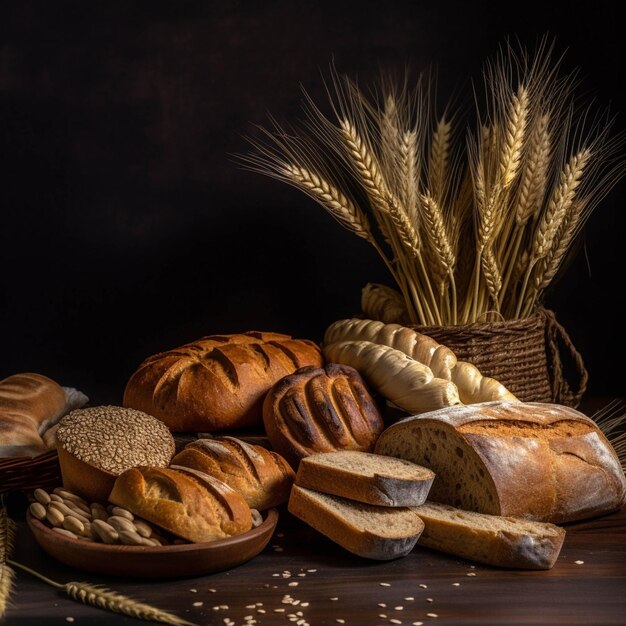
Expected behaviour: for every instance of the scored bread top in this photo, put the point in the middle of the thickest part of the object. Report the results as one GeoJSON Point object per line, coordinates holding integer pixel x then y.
{"type": "Point", "coordinates": [262, 477]}
{"type": "Point", "coordinates": [217, 382]}
{"type": "Point", "coordinates": [187, 503]}
{"type": "Point", "coordinates": [365, 477]}
{"type": "Point", "coordinates": [321, 410]}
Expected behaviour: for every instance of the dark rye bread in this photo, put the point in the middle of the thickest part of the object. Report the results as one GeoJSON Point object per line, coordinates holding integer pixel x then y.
{"type": "Point", "coordinates": [538, 461]}
{"type": "Point", "coordinates": [373, 532]}
{"type": "Point", "coordinates": [218, 382]}
{"type": "Point", "coordinates": [366, 477]}
{"type": "Point", "coordinates": [321, 410]}
{"type": "Point", "coordinates": [261, 476]}
{"type": "Point", "coordinates": [490, 539]}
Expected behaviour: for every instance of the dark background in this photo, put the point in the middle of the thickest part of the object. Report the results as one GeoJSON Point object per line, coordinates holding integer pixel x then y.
{"type": "Point", "coordinates": [127, 229]}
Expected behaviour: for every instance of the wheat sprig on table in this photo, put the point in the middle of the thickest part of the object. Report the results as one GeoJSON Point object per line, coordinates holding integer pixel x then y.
{"type": "Point", "coordinates": [103, 598]}
{"type": "Point", "coordinates": [470, 230]}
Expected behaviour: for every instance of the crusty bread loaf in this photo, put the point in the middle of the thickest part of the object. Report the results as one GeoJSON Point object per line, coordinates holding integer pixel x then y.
{"type": "Point", "coordinates": [187, 503]}
{"type": "Point", "coordinates": [218, 382]}
{"type": "Point", "coordinates": [320, 410]}
{"type": "Point", "coordinates": [490, 539]}
{"type": "Point", "coordinates": [27, 403]}
{"type": "Point", "coordinates": [262, 477]}
{"type": "Point", "coordinates": [398, 377]}
{"type": "Point", "coordinates": [472, 386]}
{"type": "Point", "coordinates": [538, 461]}
{"type": "Point", "coordinates": [383, 303]}
{"type": "Point", "coordinates": [373, 532]}
{"type": "Point", "coordinates": [365, 477]}
{"type": "Point", "coordinates": [97, 444]}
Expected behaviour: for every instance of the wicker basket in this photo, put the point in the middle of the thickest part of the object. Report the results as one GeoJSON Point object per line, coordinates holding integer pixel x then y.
{"type": "Point", "coordinates": [533, 357]}
{"type": "Point", "coordinates": [26, 473]}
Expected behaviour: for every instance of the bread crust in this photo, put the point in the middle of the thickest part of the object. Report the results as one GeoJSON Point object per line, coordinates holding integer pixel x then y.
{"type": "Point", "coordinates": [262, 477]}
{"type": "Point", "coordinates": [218, 382]}
{"type": "Point", "coordinates": [187, 503]}
{"type": "Point", "coordinates": [541, 461]}
{"type": "Point", "coordinates": [320, 410]}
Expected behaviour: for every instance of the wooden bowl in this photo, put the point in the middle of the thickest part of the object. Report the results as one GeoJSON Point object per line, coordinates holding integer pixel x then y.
{"type": "Point", "coordinates": [190, 559]}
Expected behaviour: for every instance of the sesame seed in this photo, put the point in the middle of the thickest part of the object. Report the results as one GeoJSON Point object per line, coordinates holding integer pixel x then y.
{"type": "Point", "coordinates": [260, 611]}
{"type": "Point", "coordinates": [224, 606]}
{"type": "Point", "coordinates": [418, 623]}
{"type": "Point", "coordinates": [280, 534]}
{"type": "Point", "coordinates": [302, 575]}
{"type": "Point", "coordinates": [216, 608]}
{"type": "Point", "coordinates": [279, 610]}
{"type": "Point", "coordinates": [312, 571]}
{"type": "Point", "coordinates": [340, 621]}
{"type": "Point", "coordinates": [471, 574]}
{"type": "Point", "coordinates": [382, 605]}
{"type": "Point", "coordinates": [295, 602]}
{"type": "Point", "coordinates": [409, 598]}
{"type": "Point", "coordinates": [299, 613]}
{"type": "Point", "coordinates": [423, 586]}
{"type": "Point", "coordinates": [395, 621]}
{"type": "Point", "coordinates": [432, 615]}
{"type": "Point", "coordinates": [248, 617]}
{"type": "Point", "coordinates": [456, 584]}
{"type": "Point", "coordinates": [304, 604]}
{"type": "Point", "coordinates": [385, 584]}
{"type": "Point", "coordinates": [211, 590]}
{"type": "Point", "coordinates": [259, 604]}
{"type": "Point", "coordinates": [278, 549]}
{"type": "Point", "coordinates": [193, 590]}
{"type": "Point", "coordinates": [250, 606]}
{"type": "Point", "coordinates": [294, 584]}
{"type": "Point", "coordinates": [333, 599]}
{"type": "Point", "coordinates": [198, 603]}
{"type": "Point", "coordinates": [429, 599]}
{"type": "Point", "coordinates": [275, 575]}
{"type": "Point", "coordinates": [579, 562]}
{"type": "Point", "coordinates": [382, 615]}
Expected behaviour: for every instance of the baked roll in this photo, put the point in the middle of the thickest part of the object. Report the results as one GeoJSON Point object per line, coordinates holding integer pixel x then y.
{"type": "Point", "coordinates": [185, 502]}
{"type": "Point", "coordinates": [321, 410]}
{"type": "Point", "coordinates": [262, 477]}
{"type": "Point", "coordinates": [218, 382]}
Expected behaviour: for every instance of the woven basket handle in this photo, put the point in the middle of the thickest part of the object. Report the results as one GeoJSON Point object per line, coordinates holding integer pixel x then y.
{"type": "Point", "coordinates": [556, 340]}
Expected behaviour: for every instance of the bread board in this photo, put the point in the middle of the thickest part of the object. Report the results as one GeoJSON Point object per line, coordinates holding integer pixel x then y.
{"type": "Point", "coordinates": [174, 561]}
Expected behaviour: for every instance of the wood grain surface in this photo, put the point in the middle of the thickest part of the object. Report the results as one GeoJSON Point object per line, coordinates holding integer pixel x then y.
{"type": "Point", "coordinates": [586, 586]}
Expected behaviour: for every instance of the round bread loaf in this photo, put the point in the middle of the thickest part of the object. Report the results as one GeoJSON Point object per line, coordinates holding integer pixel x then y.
{"type": "Point", "coordinates": [262, 477]}
{"type": "Point", "coordinates": [187, 503]}
{"type": "Point", "coordinates": [95, 445]}
{"type": "Point", "coordinates": [218, 382]}
{"type": "Point", "coordinates": [321, 410]}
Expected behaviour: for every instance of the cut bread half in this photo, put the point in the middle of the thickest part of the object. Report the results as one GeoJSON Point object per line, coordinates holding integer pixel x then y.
{"type": "Point", "coordinates": [372, 532]}
{"type": "Point", "coordinates": [369, 478]}
{"type": "Point", "coordinates": [490, 539]}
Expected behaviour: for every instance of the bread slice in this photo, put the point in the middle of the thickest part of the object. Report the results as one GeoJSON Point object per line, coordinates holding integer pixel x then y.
{"type": "Point", "coordinates": [490, 539]}
{"type": "Point", "coordinates": [372, 532]}
{"type": "Point", "coordinates": [369, 478]}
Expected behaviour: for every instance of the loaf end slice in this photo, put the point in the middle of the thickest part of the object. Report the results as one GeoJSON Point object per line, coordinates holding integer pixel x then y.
{"type": "Point", "coordinates": [368, 531]}
{"type": "Point", "coordinates": [490, 539]}
{"type": "Point", "coordinates": [365, 477]}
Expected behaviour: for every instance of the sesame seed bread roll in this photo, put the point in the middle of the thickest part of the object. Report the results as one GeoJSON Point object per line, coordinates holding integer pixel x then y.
{"type": "Point", "coordinates": [187, 503]}
{"type": "Point", "coordinates": [262, 477]}
{"type": "Point", "coordinates": [321, 410]}
{"type": "Point", "coordinates": [95, 445]}
{"type": "Point", "coordinates": [542, 462]}
{"type": "Point", "coordinates": [373, 532]}
{"type": "Point", "coordinates": [490, 539]}
{"type": "Point", "coordinates": [365, 477]}
{"type": "Point", "coordinates": [216, 383]}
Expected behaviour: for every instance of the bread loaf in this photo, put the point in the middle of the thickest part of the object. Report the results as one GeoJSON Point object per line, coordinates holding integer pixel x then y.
{"type": "Point", "coordinates": [408, 383]}
{"type": "Point", "coordinates": [373, 532]}
{"type": "Point", "coordinates": [218, 382]}
{"type": "Point", "coordinates": [472, 386]}
{"type": "Point", "coordinates": [185, 502]}
{"type": "Point", "coordinates": [365, 477]}
{"type": "Point", "coordinates": [383, 303]}
{"type": "Point", "coordinates": [320, 410]}
{"type": "Point", "coordinates": [490, 539]}
{"type": "Point", "coordinates": [262, 477]}
{"type": "Point", "coordinates": [97, 444]}
{"type": "Point", "coordinates": [28, 402]}
{"type": "Point", "coordinates": [538, 461]}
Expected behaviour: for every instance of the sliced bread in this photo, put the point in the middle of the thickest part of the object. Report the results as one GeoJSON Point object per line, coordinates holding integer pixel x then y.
{"type": "Point", "coordinates": [490, 539]}
{"type": "Point", "coordinates": [369, 531]}
{"type": "Point", "coordinates": [369, 478]}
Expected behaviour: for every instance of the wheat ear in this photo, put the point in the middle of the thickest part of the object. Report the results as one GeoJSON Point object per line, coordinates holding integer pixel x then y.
{"type": "Point", "coordinates": [491, 272]}
{"type": "Point", "coordinates": [409, 165]}
{"type": "Point", "coordinates": [560, 203]}
{"type": "Point", "coordinates": [406, 231]}
{"type": "Point", "coordinates": [513, 137]}
{"type": "Point", "coordinates": [7, 575]}
{"type": "Point", "coordinates": [332, 199]}
{"type": "Point", "coordinates": [437, 236]}
{"type": "Point", "coordinates": [104, 598]}
{"type": "Point", "coordinates": [439, 158]}
{"type": "Point", "coordinates": [535, 172]}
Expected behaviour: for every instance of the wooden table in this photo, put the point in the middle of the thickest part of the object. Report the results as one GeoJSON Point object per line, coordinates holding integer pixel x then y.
{"type": "Point", "coordinates": [586, 586]}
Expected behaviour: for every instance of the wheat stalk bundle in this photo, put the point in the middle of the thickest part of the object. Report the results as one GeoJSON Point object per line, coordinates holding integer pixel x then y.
{"type": "Point", "coordinates": [471, 228]}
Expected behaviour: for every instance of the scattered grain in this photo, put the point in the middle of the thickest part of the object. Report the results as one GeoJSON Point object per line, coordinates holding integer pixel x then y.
{"type": "Point", "coordinates": [198, 603]}
{"type": "Point", "coordinates": [432, 615]}
{"type": "Point", "coordinates": [385, 584]}
{"type": "Point", "coordinates": [409, 598]}
{"type": "Point", "coordinates": [579, 562]}
{"type": "Point", "coordinates": [293, 584]}
{"type": "Point", "coordinates": [423, 586]}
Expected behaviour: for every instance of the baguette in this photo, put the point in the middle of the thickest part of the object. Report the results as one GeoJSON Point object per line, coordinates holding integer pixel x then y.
{"type": "Point", "coordinates": [489, 539]}
{"type": "Point", "coordinates": [368, 531]}
{"type": "Point", "coordinates": [472, 386]}
{"type": "Point", "coordinates": [368, 478]}
{"type": "Point", "coordinates": [408, 383]}
{"type": "Point", "coordinates": [542, 462]}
